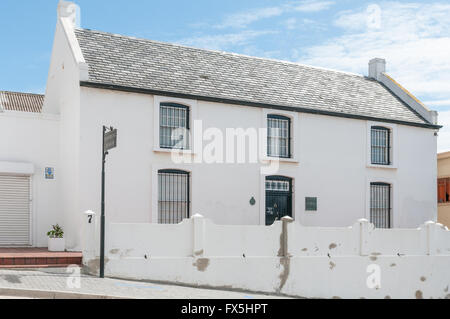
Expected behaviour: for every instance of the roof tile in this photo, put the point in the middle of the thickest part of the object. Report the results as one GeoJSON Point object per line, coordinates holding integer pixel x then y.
{"type": "Point", "coordinates": [151, 65]}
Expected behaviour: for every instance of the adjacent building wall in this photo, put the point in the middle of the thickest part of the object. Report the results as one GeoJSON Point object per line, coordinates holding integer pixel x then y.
{"type": "Point", "coordinates": [63, 97]}
{"type": "Point", "coordinates": [34, 139]}
{"type": "Point", "coordinates": [444, 172]}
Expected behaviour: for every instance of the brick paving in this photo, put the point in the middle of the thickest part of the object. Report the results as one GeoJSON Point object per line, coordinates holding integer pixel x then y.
{"type": "Point", "coordinates": [56, 280]}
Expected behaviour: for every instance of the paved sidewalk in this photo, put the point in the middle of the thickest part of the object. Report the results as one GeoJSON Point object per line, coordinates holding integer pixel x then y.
{"type": "Point", "coordinates": [55, 280]}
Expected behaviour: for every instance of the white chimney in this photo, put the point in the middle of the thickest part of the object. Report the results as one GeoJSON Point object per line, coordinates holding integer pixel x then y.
{"type": "Point", "coordinates": [377, 66]}
{"type": "Point", "coordinates": [69, 10]}
{"type": "Point", "coordinates": [434, 117]}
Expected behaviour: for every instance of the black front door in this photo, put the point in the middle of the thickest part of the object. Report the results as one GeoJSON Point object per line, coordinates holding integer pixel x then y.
{"type": "Point", "coordinates": [278, 198]}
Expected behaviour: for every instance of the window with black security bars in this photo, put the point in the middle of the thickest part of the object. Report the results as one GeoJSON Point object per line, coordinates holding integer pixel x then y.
{"type": "Point", "coordinates": [381, 145]}
{"type": "Point", "coordinates": [174, 126]}
{"type": "Point", "coordinates": [380, 205]}
{"type": "Point", "coordinates": [173, 196]}
{"type": "Point", "coordinates": [278, 136]}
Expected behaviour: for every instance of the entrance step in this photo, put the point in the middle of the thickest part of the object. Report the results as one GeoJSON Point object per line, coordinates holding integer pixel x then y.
{"type": "Point", "coordinates": [14, 258]}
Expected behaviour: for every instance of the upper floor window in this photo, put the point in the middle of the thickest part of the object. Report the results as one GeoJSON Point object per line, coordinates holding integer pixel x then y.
{"type": "Point", "coordinates": [444, 190]}
{"type": "Point", "coordinates": [278, 136]}
{"type": "Point", "coordinates": [174, 126]}
{"type": "Point", "coordinates": [381, 145]}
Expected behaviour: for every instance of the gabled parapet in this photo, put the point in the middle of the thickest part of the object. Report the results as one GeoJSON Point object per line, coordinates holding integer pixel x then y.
{"type": "Point", "coordinates": [67, 65]}
{"type": "Point", "coordinates": [70, 19]}
{"type": "Point", "coordinates": [377, 71]}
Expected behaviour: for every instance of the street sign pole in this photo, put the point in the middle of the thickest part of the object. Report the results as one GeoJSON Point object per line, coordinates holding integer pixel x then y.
{"type": "Point", "coordinates": [102, 227]}
{"type": "Point", "coordinates": [109, 142]}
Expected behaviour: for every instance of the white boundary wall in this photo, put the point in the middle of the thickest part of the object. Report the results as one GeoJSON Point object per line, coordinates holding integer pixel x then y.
{"type": "Point", "coordinates": [286, 258]}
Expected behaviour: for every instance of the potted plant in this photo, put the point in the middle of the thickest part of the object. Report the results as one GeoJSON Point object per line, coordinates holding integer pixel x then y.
{"type": "Point", "coordinates": [56, 241]}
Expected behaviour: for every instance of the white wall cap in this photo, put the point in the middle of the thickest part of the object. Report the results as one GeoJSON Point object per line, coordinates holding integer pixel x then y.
{"type": "Point", "coordinates": [287, 219]}
{"type": "Point", "coordinates": [71, 11]}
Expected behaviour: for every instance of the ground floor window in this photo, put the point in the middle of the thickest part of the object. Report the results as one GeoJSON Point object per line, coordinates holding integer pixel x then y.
{"type": "Point", "coordinates": [278, 198]}
{"type": "Point", "coordinates": [444, 190]}
{"type": "Point", "coordinates": [380, 205]}
{"type": "Point", "coordinates": [173, 196]}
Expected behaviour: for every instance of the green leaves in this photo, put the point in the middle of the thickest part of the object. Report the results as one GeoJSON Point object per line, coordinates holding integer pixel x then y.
{"type": "Point", "coordinates": [57, 232]}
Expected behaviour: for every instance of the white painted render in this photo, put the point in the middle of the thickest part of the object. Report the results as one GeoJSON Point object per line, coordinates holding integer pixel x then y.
{"type": "Point", "coordinates": [29, 143]}
{"type": "Point", "coordinates": [312, 262]}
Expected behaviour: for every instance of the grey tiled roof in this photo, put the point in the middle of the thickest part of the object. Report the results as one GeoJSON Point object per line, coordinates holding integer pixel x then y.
{"type": "Point", "coordinates": [144, 64]}
{"type": "Point", "coordinates": [21, 102]}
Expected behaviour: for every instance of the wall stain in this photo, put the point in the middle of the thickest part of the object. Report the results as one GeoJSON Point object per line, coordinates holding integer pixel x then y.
{"type": "Point", "coordinates": [446, 289]}
{"type": "Point", "coordinates": [12, 279]}
{"type": "Point", "coordinates": [387, 297]}
{"type": "Point", "coordinates": [285, 262]}
{"type": "Point", "coordinates": [332, 246]}
{"type": "Point", "coordinates": [423, 279]}
{"type": "Point", "coordinates": [373, 258]}
{"type": "Point", "coordinates": [305, 249]}
{"type": "Point", "coordinates": [93, 266]}
{"type": "Point", "coordinates": [332, 265]}
{"type": "Point", "coordinates": [419, 294]}
{"type": "Point", "coordinates": [114, 251]}
{"type": "Point", "coordinates": [199, 253]}
{"type": "Point", "coordinates": [202, 264]}
{"type": "Point", "coordinates": [393, 265]}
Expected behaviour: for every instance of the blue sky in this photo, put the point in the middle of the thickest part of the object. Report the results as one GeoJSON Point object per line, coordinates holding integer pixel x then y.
{"type": "Point", "coordinates": [414, 36]}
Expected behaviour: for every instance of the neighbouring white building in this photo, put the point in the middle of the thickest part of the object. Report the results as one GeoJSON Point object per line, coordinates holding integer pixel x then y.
{"type": "Point", "coordinates": [347, 146]}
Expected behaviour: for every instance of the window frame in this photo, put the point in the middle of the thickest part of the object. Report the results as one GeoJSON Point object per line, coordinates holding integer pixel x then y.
{"type": "Point", "coordinates": [446, 181]}
{"type": "Point", "coordinates": [393, 140]}
{"type": "Point", "coordinates": [295, 143]}
{"type": "Point", "coordinates": [289, 138]}
{"type": "Point", "coordinates": [188, 201]}
{"type": "Point", "coordinates": [193, 115]}
{"type": "Point", "coordinates": [390, 203]}
{"type": "Point", "coordinates": [386, 149]}
{"type": "Point", "coordinates": [188, 124]}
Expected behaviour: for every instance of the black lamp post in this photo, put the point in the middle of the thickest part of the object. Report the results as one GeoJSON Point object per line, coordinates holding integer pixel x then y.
{"type": "Point", "coordinates": [109, 142]}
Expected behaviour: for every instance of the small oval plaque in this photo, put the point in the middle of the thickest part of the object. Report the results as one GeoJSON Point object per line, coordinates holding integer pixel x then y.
{"type": "Point", "coordinates": [253, 201]}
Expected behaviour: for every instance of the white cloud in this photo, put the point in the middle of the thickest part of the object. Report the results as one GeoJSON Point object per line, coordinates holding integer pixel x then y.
{"type": "Point", "coordinates": [313, 6]}
{"type": "Point", "coordinates": [243, 19]}
{"type": "Point", "coordinates": [438, 103]}
{"type": "Point", "coordinates": [223, 41]}
{"type": "Point", "coordinates": [415, 40]}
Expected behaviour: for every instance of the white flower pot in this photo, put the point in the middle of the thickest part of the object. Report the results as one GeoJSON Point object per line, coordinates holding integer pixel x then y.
{"type": "Point", "coordinates": [56, 244]}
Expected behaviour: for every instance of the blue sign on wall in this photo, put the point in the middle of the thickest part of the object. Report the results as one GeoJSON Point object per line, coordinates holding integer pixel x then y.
{"type": "Point", "coordinates": [49, 173]}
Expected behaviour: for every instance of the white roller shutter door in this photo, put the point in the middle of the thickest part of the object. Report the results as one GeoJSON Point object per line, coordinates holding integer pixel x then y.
{"type": "Point", "coordinates": [14, 210]}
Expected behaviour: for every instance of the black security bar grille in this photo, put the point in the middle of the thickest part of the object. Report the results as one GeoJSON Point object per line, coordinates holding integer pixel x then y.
{"type": "Point", "coordinates": [173, 196]}
{"type": "Point", "coordinates": [174, 126]}
{"type": "Point", "coordinates": [380, 205]}
{"type": "Point", "coordinates": [381, 146]}
{"type": "Point", "coordinates": [278, 136]}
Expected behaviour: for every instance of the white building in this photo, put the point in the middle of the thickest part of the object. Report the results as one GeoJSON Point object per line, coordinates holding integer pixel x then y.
{"type": "Point", "coordinates": [347, 146]}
